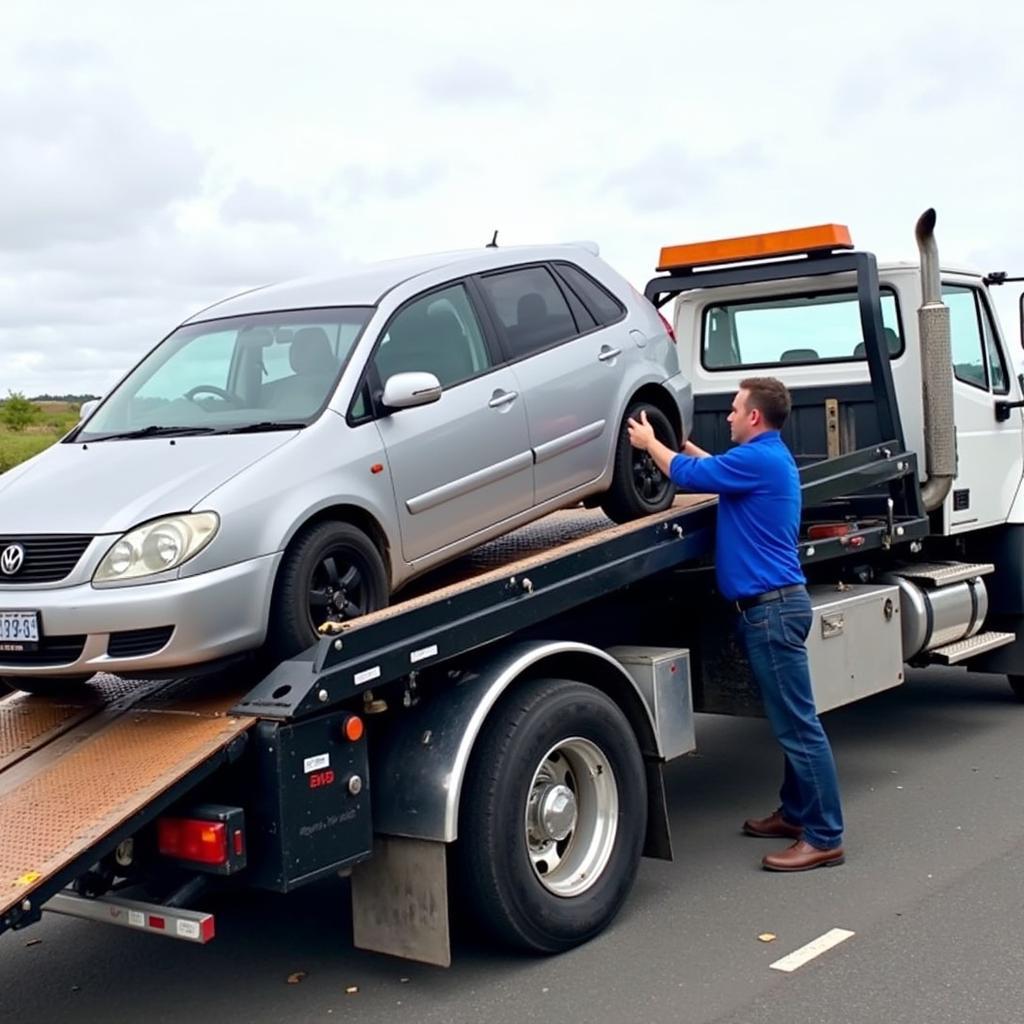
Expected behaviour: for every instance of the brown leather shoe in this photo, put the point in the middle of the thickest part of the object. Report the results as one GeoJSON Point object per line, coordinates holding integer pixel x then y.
{"type": "Point", "coordinates": [774, 826]}
{"type": "Point", "coordinates": [802, 856]}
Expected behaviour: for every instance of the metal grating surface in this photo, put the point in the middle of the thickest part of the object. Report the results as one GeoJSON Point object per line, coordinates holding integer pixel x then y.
{"type": "Point", "coordinates": [71, 801]}
{"type": "Point", "coordinates": [952, 654]}
{"type": "Point", "coordinates": [941, 574]}
{"type": "Point", "coordinates": [28, 722]}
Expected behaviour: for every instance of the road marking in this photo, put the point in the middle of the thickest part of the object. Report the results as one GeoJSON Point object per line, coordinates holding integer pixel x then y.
{"type": "Point", "coordinates": [814, 948]}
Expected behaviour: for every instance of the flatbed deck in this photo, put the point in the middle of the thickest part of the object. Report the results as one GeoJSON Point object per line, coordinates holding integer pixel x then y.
{"type": "Point", "coordinates": [79, 773]}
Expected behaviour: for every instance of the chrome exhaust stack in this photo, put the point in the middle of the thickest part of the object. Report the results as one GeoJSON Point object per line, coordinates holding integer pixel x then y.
{"type": "Point", "coordinates": [936, 371]}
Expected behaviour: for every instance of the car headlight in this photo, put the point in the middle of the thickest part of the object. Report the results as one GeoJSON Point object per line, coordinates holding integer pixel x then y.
{"type": "Point", "coordinates": [158, 546]}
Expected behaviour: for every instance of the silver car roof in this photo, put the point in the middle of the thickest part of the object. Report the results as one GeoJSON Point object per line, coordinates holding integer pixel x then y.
{"type": "Point", "coordinates": [366, 284]}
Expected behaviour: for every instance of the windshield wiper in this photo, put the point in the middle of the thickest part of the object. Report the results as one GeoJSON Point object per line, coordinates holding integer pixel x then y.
{"type": "Point", "coordinates": [256, 428]}
{"type": "Point", "coordinates": [153, 430]}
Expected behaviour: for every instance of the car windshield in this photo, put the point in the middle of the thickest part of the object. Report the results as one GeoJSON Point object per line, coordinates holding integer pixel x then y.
{"type": "Point", "coordinates": [266, 371]}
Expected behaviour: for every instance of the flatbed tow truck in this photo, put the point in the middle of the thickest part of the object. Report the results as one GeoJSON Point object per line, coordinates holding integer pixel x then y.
{"type": "Point", "coordinates": [498, 738]}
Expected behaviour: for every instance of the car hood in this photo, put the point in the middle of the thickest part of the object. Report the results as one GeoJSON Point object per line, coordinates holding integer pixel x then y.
{"type": "Point", "coordinates": [111, 486]}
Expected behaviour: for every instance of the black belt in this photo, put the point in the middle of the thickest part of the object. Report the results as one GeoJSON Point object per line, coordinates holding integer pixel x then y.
{"type": "Point", "coordinates": [769, 595]}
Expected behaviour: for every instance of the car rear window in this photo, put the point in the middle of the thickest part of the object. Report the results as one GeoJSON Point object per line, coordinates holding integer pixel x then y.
{"type": "Point", "coordinates": [604, 307]}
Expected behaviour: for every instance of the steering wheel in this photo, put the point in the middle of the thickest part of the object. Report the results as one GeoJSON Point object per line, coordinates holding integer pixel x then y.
{"type": "Point", "coordinates": [199, 389]}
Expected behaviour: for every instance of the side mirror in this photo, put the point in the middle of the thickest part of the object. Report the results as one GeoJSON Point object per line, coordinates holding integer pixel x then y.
{"type": "Point", "coordinates": [407, 390]}
{"type": "Point", "coordinates": [87, 409]}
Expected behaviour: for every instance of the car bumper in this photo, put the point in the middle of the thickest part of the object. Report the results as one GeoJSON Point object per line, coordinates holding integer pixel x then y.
{"type": "Point", "coordinates": [86, 629]}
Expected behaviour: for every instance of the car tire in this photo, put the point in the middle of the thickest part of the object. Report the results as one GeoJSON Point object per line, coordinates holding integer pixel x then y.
{"type": "Point", "coordinates": [46, 686]}
{"type": "Point", "coordinates": [331, 571]}
{"type": "Point", "coordinates": [638, 487]}
{"type": "Point", "coordinates": [533, 873]}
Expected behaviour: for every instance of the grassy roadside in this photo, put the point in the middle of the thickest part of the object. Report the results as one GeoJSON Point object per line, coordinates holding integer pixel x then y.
{"type": "Point", "coordinates": [49, 422]}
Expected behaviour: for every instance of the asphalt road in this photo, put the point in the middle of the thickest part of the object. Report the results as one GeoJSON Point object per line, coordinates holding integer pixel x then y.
{"type": "Point", "coordinates": [933, 888]}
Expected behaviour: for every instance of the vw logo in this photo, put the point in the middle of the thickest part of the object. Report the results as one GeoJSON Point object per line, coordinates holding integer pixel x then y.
{"type": "Point", "coordinates": [12, 559]}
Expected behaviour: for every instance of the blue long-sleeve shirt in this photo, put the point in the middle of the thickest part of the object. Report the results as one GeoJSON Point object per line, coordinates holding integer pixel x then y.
{"type": "Point", "coordinates": [758, 513]}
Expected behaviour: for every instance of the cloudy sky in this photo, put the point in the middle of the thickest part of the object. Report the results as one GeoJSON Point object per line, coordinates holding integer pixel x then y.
{"type": "Point", "coordinates": [155, 157]}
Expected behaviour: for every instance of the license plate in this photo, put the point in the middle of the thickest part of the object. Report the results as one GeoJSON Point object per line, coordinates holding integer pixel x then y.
{"type": "Point", "coordinates": [19, 631]}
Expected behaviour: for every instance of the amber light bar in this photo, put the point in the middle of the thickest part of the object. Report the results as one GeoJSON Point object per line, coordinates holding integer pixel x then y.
{"type": "Point", "coordinates": [794, 242]}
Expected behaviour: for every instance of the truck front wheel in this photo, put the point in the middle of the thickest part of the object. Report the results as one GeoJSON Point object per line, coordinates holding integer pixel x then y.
{"type": "Point", "coordinates": [553, 817]}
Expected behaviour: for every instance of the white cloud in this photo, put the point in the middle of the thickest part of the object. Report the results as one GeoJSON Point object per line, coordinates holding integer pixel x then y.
{"type": "Point", "coordinates": [152, 161]}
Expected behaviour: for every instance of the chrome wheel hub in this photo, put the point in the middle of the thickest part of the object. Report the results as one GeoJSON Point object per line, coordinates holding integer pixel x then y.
{"type": "Point", "coordinates": [571, 818]}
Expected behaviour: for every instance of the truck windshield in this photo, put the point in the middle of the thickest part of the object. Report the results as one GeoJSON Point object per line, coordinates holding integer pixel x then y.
{"type": "Point", "coordinates": [261, 372]}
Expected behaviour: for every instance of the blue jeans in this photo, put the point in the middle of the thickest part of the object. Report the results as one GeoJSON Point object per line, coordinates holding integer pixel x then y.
{"type": "Point", "coordinates": [774, 634]}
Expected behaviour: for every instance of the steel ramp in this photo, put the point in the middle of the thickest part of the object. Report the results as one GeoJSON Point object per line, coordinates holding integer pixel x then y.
{"type": "Point", "coordinates": [78, 775]}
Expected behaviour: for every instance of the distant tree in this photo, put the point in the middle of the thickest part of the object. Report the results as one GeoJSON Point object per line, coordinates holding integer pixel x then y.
{"type": "Point", "coordinates": [71, 399]}
{"type": "Point", "coordinates": [17, 411]}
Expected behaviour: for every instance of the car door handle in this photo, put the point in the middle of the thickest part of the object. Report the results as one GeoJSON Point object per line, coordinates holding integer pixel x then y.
{"type": "Point", "coordinates": [609, 353]}
{"type": "Point", "coordinates": [500, 398]}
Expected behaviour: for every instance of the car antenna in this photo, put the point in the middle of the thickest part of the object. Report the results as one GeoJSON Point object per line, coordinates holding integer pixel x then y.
{"type": "Point", "coordinates": [493, 243]}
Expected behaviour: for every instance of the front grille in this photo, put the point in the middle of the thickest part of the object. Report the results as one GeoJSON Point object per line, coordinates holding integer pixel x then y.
{"type": "Point", "coordinates": [51, 650]}
{"type": "Point", "coordinates": [48, 557]}
{"type": "Point", "coordinates": [134, 643]}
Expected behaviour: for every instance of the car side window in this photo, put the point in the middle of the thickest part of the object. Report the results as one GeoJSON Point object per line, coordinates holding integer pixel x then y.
{"type": "Point", "coordinates": [605, 308]}
{"type": "Point", "coordinates": [530, 306]}
{"type": "Point", "coordinates": [439, 334]}
{"type": "Point", "coordinates": [966, 340]}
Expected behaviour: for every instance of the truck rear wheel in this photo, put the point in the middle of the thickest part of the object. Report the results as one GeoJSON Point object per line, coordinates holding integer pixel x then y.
{"type": "Point", "coordinates": [553, 816]}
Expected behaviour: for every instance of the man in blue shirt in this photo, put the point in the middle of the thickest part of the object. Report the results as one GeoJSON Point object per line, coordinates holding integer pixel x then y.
{"type": "Point", "coordinates": [758, 571]}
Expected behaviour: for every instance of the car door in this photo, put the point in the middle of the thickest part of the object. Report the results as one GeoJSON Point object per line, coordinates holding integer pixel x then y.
{"type": "Point", "coordinates": [570, 368]}
{"type": "Point", "coordinates": [989, 452]}
{"type": "Point", "coordinates": [462, 463]}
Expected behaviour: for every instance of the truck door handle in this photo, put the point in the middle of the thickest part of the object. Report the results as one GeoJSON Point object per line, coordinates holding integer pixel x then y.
{"type": "Point", "coordinates": [609, 353]}
{"type": "Point", "coordinates": [500, 398]}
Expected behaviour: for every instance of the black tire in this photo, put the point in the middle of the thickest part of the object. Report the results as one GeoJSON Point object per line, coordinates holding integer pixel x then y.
{"type": "Point", "coordinates": [507, 883]}
{"type": "Point", "coordinates": [638, 487]}
{"type": "Point", "coordinates": [46, 686]}
{"type": "Point", "coordinates": [307, 592]}
{"type": "Point", "coordinates": [1017, 685]}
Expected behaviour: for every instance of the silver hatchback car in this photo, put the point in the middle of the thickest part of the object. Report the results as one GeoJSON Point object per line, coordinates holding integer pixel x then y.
{"type": "Point", "coordinates": [296, 454]}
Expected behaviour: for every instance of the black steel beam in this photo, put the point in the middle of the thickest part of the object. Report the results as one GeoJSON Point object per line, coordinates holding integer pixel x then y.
{"type": "Point", "coordinates": [382, 652]}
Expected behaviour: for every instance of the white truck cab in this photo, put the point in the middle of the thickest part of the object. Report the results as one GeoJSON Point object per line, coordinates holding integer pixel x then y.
{"type": "Point", "coordinates": [808, 333]}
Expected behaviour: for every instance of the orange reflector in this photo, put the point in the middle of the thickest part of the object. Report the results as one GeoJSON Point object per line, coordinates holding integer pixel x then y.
{"type": "Point", "coordinates": [353, 728]}
{"type": "Point", "coordinates": [376, 468]}
{"type": "Point", "coordinates": [755, 247]}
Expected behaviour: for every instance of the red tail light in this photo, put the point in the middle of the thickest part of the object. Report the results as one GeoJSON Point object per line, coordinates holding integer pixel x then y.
{"type": "Point", "coordinates": [668, 327]}
{"type": "Point", "coordinates": [203, 842]}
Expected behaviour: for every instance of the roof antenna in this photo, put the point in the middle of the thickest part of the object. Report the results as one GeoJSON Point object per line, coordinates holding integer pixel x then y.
{"type": "Point", "coordinates": [493, 243]}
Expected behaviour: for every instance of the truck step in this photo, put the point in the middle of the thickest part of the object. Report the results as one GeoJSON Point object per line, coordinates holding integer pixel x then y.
{"type": "Point", "coordinates": [942, 574]}
{"type": "Point", "coordinates": [951, 654]}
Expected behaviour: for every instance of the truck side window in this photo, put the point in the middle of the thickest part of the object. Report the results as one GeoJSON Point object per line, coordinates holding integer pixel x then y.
{"type": "Point", "coordinates": [967, 342]}
{"type": "Point", "coordinates": [998, 376]}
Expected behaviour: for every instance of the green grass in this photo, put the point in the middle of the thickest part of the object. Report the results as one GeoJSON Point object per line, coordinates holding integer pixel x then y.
{"type": "Point", "coordinates": [51, 421]}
